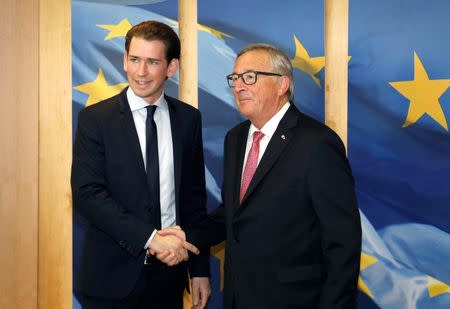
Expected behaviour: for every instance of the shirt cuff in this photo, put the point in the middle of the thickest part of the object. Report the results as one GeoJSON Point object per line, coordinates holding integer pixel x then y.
{"type": "Point", "coordinates": [147, 244]}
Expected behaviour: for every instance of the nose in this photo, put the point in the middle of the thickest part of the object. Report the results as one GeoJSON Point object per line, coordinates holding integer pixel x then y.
{"type": "Point", "coordinates": [142, 69]}
{"type": "Point", "coordinates": [239, 84]}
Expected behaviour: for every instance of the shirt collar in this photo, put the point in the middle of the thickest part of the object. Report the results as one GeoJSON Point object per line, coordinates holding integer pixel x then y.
{"type": "Point", "coordinates": [269, 128]}
{"type": "Point", "coordinates": [137, 103]}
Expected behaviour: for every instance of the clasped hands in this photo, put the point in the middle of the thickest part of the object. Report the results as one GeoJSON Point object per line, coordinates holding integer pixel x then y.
{"type": "Point", "coordinates": [169, 245]}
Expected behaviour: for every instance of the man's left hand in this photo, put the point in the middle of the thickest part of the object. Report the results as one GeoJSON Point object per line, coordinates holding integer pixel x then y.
{"type": "Point", "coordinates": [201, 291]}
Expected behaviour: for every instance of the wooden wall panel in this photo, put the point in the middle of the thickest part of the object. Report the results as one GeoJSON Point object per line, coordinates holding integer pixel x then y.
{"type": "Point", "coordinates": [18, 153]}
{"type": "Point", "coordinates": [187, 17]}
{"type": "Point", "coordinates": [336, 68]}
{"type": "Point", "coordinates": [55, 153]}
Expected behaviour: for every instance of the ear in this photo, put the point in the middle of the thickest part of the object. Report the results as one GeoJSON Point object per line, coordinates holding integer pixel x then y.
{"type": "Point", "coordinates": [125, 56]}
{"type": "Point", "coordinates": [284, 83]}
{"type": "Point", "coordinates": [172, 67]}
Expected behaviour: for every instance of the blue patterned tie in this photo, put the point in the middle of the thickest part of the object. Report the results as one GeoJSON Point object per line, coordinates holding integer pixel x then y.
{"type": "Point", "coordinates": [153, 166]}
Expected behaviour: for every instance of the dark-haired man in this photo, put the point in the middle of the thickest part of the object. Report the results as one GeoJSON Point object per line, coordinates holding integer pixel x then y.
{"type": "Point", "coordinates": [138, 167]}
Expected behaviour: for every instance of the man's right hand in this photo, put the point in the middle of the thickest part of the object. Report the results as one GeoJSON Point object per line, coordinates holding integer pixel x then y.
{"type": "Point", "coordinates": [171, 247]}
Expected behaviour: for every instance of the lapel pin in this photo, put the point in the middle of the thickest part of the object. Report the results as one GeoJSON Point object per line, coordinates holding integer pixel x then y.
{"type": "Point", "coordinates": [282, 136]}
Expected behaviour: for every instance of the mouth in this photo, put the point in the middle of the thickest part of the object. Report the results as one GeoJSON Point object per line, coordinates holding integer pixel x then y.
{"type": "Point", "coordinates": [244, 99]}
{"type": "Point", "coordinates": [141, 83]}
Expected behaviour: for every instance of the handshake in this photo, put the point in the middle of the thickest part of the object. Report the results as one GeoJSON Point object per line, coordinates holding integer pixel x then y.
{"type": "Point", "coordinates": [169, 245]}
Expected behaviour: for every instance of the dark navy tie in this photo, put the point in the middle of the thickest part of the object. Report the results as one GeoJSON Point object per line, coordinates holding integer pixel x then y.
{"type": "Point", "coordinates": [153, 166]}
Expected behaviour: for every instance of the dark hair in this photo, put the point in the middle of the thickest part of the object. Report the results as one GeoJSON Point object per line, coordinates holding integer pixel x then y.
{"type": "Point", "coordinates": [155, 31]}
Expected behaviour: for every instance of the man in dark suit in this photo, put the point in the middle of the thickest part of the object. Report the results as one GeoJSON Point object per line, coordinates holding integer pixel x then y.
{"type": "Point", "coordinates": [138, 167]}
{"type": "Point", "coordinates": [289, 212]}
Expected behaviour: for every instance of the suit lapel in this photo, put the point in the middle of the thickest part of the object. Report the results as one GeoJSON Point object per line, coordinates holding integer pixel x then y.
{"type": "Point", "coordinates": [177, 145]}
{"type": "Point", "coordinates": [130, 132]}
{"type": "Point", "coordinates": [277, 144]}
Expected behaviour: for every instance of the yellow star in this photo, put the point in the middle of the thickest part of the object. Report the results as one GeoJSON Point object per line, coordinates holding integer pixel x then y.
{"type": "Point", "coordinates": [118, 30]}
{"type": "Point", "coordinates": [366, 261]}
{"type": "Point", "coordinates": [218, 251]}
{"type": "Point", "coordinates": [218, 34]}
{"type": "Point", "coordinates": [423, 94]}
{"type": "Point", "coordinates": [99, 89]}
{"type": "Point", "coordinates": [171, 21]}
{"type": "Point", "coordinates": [436, 287]}
{"type": "Point", "coordinates": [305, 63]}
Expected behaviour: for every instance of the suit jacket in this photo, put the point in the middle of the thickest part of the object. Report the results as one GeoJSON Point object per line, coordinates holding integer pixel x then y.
{"type": "Point", "coordinates": [109, 187]}
{"type": "Point", "coordinates": [295, 240]}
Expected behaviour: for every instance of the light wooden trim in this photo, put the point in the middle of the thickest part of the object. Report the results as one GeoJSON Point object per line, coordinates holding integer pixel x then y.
{"type": "Point", "coordinates": [188, 83]}
{"type": "Point", "coordinates": [18, 153]}
{"type": "Point", "coordinates": [187, 21]}
{"type": "Point", "coordinates": [55, 153]}
{"type": "Point", "coordinates": [336, 68]}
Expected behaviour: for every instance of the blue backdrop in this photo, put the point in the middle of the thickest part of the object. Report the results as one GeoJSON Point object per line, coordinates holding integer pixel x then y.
{"type": "Point", "coordinates": [399, 103]}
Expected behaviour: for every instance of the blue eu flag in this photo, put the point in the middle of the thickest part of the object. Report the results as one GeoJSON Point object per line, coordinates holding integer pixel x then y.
{"type": "Point", "coordinates": [399, 147]}
{"type": "Point", "coordinates": [399, 108]}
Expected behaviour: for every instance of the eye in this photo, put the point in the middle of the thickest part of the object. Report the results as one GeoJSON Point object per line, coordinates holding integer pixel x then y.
{"type": "Point", "coordinates": [153, 62]}
{"type": "Point", "coordinates": [134, 60]}
{"type": "Point", "coordinates": [250, 77]}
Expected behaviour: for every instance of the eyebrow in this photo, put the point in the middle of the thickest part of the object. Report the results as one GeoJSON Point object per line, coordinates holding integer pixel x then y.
{"type": "Point", "coordinates": [152, 59]}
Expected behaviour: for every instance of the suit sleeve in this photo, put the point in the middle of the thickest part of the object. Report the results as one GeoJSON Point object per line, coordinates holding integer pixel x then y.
{"type": "Point", "coordinates": [332, 190]}
{"type": "Point", "coordinates": [90, 190]}
{"type": "Point", "coordinates": [211, 229]}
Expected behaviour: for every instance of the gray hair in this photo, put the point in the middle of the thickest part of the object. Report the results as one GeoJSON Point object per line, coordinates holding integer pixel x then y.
{"type": "Point", "coordinates": [280, 62]}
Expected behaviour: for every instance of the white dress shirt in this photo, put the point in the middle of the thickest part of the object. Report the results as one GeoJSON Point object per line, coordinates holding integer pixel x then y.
{"type": "Point", "coordinates": [165, 153]}
{"type": "Point", "coordinates": [268, 130]}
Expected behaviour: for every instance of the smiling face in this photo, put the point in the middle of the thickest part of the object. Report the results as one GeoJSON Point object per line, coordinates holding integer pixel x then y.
{"type": "Point", "coordinates": [147, 68]}
{"type": "Point", "coordinates": [262, 100]}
